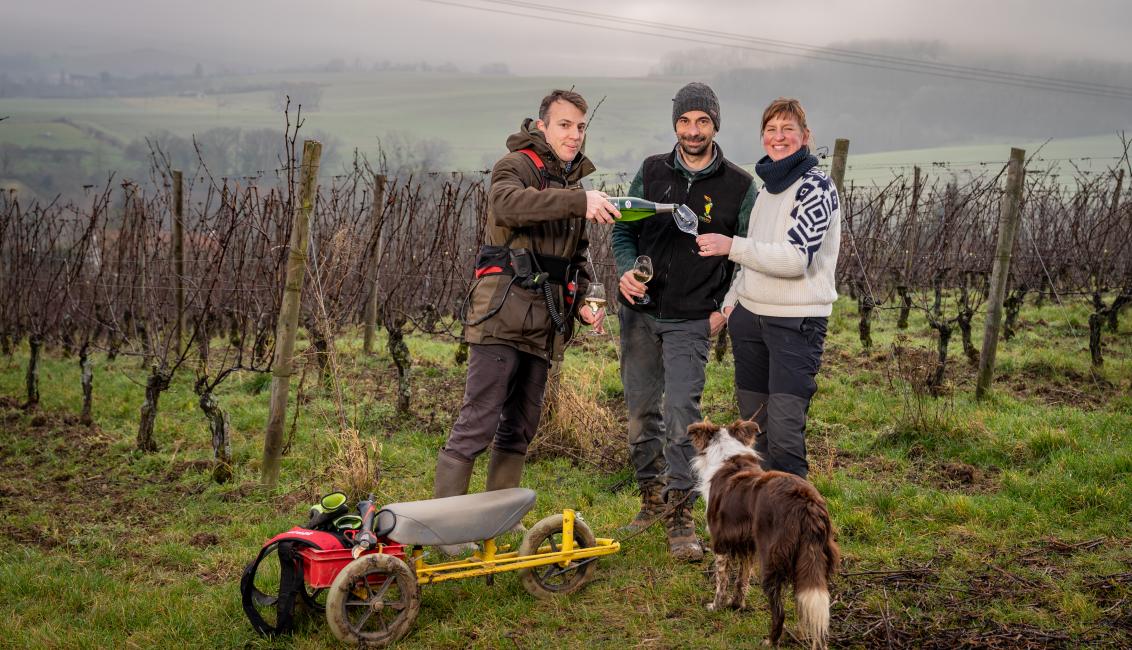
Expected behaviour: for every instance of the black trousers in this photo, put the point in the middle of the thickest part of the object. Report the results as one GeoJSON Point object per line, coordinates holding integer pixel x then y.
{"type": "Point", "coordinates": [502, 404]}
{"type": "Point", "coordinates": [776, 361]}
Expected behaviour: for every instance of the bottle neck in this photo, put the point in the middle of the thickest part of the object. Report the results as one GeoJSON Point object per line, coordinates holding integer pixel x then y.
{"type": "Point", "coordinates": [641, 206]}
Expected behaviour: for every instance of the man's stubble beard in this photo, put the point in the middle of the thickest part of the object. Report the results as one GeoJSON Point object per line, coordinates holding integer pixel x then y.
{"type": "Point", "coordinates": [701, 147]}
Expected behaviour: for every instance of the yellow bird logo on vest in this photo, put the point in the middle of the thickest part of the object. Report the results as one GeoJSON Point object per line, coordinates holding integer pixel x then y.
{"type": "Point", "coordinates": [706, 218]}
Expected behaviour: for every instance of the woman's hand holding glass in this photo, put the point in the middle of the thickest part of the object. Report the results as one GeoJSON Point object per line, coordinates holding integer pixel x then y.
{"type": "Point", "coordinates": [713, 244]}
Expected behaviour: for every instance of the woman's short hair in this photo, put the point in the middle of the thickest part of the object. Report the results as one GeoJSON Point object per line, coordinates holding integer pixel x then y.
{"type": "Point", "coordinates": [787, 107]}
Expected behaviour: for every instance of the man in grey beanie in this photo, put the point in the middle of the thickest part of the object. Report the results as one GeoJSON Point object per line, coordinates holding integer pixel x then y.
{"type": "Point", "coordinates": [696, 97]}
{"type": "Point", "coordinates": [665, 341]}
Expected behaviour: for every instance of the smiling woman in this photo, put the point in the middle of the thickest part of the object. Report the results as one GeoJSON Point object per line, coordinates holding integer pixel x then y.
{"type": "Point", "coordinates": [784, 292]}
{"type": "Point", "coordinates": [784, 129]}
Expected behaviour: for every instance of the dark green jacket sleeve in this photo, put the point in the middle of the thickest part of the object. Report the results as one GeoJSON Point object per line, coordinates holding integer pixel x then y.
{"type": "Point", "coordinates": [745, 210]}
{"type": "Point", "coordinates": [625, 235]}
{"type": "Point", "coordinates": [741, 231]}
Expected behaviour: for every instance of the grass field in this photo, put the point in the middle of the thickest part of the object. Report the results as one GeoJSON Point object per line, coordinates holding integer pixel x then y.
{"type": "Point", "coordinates": [1064, 156]}
{"type": "Point", "coordinates": [1002, 524]}
{"type": "Point", "coordinates": [472, 113]}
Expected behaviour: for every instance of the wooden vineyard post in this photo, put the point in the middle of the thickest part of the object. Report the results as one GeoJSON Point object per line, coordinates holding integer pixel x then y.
{"type": "Point", "coordinates": [837, 169]}
{"type": "Point", "coordinates": [371, 304]}
{"type": "Point", "coordinates": [1010, 215]}
{"type": "Point", "coordinates": [179, 254]}
{"type": "Point", "coordinates": [288, 322]}
{"type": "Point", "coordinates": [902, 288]}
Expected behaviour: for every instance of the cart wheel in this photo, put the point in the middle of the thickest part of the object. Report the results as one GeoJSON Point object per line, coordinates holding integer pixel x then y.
{"type": "Point", "coordinates": [265, 586]}
{"type": "Point", "coordinates": [553, 579]}
{"type": "Point", "coordinates": [259, 589]}
{"type": "Point", "coordinates": [314, 599]}
{"type": "Point", "coordinates": [373, 601]}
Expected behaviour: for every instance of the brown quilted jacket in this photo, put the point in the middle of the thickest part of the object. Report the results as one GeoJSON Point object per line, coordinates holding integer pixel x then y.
{"type": "Point", "coordinates": [549, 221]}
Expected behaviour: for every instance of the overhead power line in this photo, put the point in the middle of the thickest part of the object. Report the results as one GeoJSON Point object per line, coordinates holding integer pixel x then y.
{"type": "Point", "coordinates": [853, 54]}
{"type": "Point", "coordinates": [620, 24]}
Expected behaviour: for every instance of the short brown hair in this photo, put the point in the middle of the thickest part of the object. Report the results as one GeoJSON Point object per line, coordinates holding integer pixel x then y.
{"type": "Point", "coordinates": [788, 107]}
{"type": "Point", "coordinates": [568, 96]}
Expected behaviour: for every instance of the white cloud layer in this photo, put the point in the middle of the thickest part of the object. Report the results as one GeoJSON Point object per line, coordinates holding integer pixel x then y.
{"type": "Point", "coordinates": [271, 33]}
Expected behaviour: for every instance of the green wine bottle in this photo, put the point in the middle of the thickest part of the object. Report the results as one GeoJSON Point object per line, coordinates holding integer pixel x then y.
{"type": "Point", "coordinates": [635, 209]}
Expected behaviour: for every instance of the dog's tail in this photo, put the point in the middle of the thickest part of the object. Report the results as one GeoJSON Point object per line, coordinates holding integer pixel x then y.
{"type": "Point", "coordinates": [816, 562]}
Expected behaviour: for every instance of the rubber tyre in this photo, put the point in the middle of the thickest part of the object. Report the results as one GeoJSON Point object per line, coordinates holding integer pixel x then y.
{"type": "Point", "coordinates": [262, 595]}
{"type": "Point", "coordinates": [259, 590]}
{"type": "Point", "coordinates": [373, 601]}
{"type": "Point", "coordinates": [550, 580]}
{"type": "Point", "coordinates": [314, 599]}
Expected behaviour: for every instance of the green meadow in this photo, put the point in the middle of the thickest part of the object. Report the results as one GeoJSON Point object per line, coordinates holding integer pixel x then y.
{"type": "Point", "coordinates": [472, 114]}
{"type": "Point", "coordinates": [1002, 523]}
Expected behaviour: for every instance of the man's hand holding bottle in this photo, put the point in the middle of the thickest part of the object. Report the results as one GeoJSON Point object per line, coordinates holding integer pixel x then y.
{"type": "Point", "coordinates": [598, 210]}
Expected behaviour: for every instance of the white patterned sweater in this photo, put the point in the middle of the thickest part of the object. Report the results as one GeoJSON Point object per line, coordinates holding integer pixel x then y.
{"type": "Point", "coordinates": [788, 258]}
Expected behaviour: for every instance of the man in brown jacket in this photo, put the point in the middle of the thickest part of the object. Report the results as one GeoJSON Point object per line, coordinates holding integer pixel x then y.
{"type": "Point", "coordinates": [521, 306]}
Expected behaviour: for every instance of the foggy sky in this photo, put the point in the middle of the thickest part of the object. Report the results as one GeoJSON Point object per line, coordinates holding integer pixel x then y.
{"type": "Point", "coordinates": [282, 33]}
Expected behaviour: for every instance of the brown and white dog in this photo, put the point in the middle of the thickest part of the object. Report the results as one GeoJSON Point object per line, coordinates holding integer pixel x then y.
{"type": "Point", "coordinates": [779, 517]}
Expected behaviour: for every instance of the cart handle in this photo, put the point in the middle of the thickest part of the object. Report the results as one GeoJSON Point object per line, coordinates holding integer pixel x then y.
{"type": "Point", "coordinates": [364, 539]}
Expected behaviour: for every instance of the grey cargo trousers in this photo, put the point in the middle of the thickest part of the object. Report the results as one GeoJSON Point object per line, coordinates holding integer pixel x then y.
{"type": "Point", "coordinates": [502, 402]}
{"type": "Point", "coordinates": [662, 370]}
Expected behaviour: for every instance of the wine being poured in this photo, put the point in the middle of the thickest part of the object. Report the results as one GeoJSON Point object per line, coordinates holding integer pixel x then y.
{"type": "Point", "coordinates": [635, 209]}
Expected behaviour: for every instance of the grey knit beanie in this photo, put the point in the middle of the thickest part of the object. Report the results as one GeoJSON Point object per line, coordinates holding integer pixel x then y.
{"type": "Point", "coordinates": [696, 97]}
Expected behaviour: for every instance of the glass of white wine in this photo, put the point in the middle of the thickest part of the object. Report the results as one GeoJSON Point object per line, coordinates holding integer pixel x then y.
{"type": "Point", "coordinates": [642, 272]}
{"type": "Point", "coordinates": [595, 300]}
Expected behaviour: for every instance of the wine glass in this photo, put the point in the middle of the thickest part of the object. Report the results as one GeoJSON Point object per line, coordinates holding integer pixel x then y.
{"type": "Point", "coordinates": [595, 300]}
{"type": "Point", "coordinates": [642, 272]}
{"type": "Point", "coordinates": [686, 220]}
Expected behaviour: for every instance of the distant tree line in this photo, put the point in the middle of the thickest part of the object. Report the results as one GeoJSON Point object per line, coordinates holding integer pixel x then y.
{"type": "Point", "coordinates": [67, 85]}
{"type": "Point", "coordinates": [888, 110]}
{"type": "Point", "coordinates": [225, 151]}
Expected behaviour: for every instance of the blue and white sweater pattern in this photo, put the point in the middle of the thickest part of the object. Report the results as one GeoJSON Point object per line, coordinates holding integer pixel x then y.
{"type": "Point", "coordinates": [814, 206]}
{"type": "Point", "coordinates": [788, 258]}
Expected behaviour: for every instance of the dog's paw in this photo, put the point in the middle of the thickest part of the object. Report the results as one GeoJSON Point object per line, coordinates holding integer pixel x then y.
{"type": "Point", "coordinates": [711, 607]}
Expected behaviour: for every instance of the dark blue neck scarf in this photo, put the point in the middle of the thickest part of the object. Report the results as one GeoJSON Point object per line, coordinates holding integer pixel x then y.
{"type": "Point", "coordinates": [777, 176]}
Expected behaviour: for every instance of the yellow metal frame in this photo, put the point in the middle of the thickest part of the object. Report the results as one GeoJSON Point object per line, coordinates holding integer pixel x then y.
{"type": "Point", "coordinates": [489, 561]}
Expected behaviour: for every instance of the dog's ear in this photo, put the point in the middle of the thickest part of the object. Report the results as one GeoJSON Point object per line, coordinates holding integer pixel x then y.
{"type": "Point", "coordinates": [744, 431]}
{"type": "Point", "coordinates": [701, 434]}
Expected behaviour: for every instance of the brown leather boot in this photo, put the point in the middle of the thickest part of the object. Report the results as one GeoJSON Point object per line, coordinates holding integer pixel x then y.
{"type": "Point", "coordinates": [683, 544]}
{"type": "Point", "coordinates": [652, 507]}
